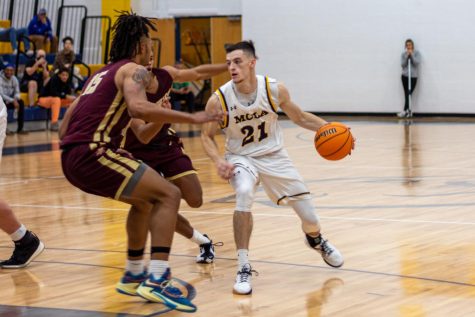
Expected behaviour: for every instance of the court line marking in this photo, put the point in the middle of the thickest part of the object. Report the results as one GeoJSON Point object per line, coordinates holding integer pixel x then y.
{"type": "Point", "coordinates": [272, 214]}
{"type": "Point", "coordinates": [274, 263]}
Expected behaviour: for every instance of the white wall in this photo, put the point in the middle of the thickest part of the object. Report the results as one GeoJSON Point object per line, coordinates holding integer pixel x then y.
{"type": "Point", "coordinates": [180, 8]}
{"type": "Point", "coordinates": [344, 56]}
{"type": "Point", "coordinates": [94, 7]}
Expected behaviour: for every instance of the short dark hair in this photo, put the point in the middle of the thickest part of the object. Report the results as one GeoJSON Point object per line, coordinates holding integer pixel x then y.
{"type": "Point", "coordinates": [68, 38]}
{"type": "Point", "coordinates": [246, 46]}
{"type": "Point", "coordinates": [409, 41]}
{"type": "Point", "coordinates": [63, 69]}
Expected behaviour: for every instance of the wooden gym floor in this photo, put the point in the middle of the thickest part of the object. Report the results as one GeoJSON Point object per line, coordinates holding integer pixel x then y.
{"type": "Point", "coordinates": [400, 209]}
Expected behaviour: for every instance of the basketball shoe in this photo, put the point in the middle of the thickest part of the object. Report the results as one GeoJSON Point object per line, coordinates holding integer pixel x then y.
{"type": "Point", "coordinates": [243, 280]}
{"type": "Point", "coordinates": [129, 283]}
{"type": "Point", "coordinates": [329, 253]}
{"type": "Point", "coordinates": [162, 291]}
{"type": "Point", "coordinates": [26, 249]}
{"type": "Point", "coordinates": [207, 254]}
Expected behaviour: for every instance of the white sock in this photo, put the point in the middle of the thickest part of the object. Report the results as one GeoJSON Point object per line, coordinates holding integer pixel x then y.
{"type": "Point", "coordinates": [135, 267]}
{"type": "Point", "coordinates": [19, 233]}
{"type": "Point", "coordinates": [242, 257]}
{"type": "Point", "coordinates": [157, 268]}
{"type": "Point", "coordinates": [198, 238]}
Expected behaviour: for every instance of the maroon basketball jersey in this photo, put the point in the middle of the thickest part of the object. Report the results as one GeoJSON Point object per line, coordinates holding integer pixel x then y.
{"type": "Point", "coordinates": [101, 114]}
{"type": "Point", "coordinates": [132, 144]}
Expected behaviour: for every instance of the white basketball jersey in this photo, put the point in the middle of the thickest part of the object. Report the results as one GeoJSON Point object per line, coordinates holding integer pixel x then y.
{"type": "Point", "coordinates": [251, 130]}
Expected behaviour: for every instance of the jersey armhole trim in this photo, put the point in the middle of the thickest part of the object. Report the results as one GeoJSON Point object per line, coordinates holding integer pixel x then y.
{"type": "Point", "coordinates": [224, 106]}
{"type": "Point", "coordinates": [269, 95]}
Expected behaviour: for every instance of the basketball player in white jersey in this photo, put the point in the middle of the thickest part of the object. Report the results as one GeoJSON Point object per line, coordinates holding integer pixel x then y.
{"type": "Point", "coordinates": [27, 244]}
{"type": "Point", "coordinates": [255, 154]}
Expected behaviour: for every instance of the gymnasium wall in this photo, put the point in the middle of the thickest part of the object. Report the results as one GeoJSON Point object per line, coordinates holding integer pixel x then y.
{"type": "Point", "coordinates": [186, 8]}
{"type": "Point", "coordinates": [94, 7]}
{"type": "Point", "coordinates": [344, 56]}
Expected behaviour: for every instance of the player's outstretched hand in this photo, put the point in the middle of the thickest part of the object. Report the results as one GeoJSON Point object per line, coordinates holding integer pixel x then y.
{"type": "Point", "coordinates": [205, 116]}
{"type": "Point", "coordinates": [225, 169]}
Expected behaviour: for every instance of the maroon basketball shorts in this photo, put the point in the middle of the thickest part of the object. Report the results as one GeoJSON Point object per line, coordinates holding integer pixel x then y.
{"type": "Point", "coordinates": [172, 162]}
{"type": "Point", "coordinates": [101, 171]}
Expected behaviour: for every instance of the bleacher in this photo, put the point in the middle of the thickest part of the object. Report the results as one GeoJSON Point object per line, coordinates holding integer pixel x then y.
{"type": "Point", "coordinates": [88, 33]}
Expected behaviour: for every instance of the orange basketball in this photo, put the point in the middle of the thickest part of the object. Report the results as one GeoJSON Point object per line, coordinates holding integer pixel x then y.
{"type": "Point", "coordinates": [334, 141]}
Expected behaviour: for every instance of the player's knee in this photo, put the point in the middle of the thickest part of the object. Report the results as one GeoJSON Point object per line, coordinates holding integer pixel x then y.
{"type": "Point", "coordinates": [194, 199]}
{"type": "Point", "coordinates": [169, 195]}
{"type": "Point", "coordinates": [244, 198]}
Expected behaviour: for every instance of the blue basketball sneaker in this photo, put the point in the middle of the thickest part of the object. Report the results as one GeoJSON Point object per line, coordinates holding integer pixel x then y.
{"type": "Point", "coordinates": [162, 291]}
{"type": "Point", "coordinates": [129, 283]}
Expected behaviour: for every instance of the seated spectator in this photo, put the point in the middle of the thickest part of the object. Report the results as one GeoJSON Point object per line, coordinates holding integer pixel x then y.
{"type": "Point", "coordinates": [181, 92]}
{"type": "Point", "coordinates": [12, 35]}
{"type": "Point", "coordinates": [36, 75]}
{"type": "Point", "coordinates": [56, 93]}
{"type": "Point", "coordinates": [65, 59]}
{"type": "Point", "coordinates": [41, 32]}
{"type": "Point", "coordinates": [10, 92]}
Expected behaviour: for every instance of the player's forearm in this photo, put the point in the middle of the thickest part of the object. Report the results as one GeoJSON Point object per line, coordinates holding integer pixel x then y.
{"type": "Point", "coordinates": [146, 132]}
{"type": "Point", "coordinates": [209, 70]}
{"type": "Point", "coordinates": [309, 121]}
{"type": "Point", "coordinates": [210, 147]}
{"type": "Point", "coordinates": [149, 112]}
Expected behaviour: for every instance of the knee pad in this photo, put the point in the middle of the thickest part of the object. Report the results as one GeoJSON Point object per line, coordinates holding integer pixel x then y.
{"type": "Point", "coordinates": [244, 184]}
{"type": "Point", "coordinates": [307, 214]}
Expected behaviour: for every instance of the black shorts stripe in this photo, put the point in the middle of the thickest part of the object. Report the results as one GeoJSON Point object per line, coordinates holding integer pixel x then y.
{"type": "Point", "coordinates": [291, 196]}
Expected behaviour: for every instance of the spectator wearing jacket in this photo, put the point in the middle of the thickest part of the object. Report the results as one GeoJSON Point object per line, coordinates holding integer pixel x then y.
{"type": "Point", "coordinates": [41, 32]}
{"type": "Point", "coordinates": [10, 92]}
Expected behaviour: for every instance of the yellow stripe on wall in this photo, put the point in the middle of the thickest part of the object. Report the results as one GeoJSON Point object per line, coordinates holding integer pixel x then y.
{"type": "Point", "coordinates": [109, 8]}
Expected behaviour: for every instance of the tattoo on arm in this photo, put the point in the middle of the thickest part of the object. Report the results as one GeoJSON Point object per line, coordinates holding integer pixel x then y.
{"type": "Point", "coordinates": [141, 76]}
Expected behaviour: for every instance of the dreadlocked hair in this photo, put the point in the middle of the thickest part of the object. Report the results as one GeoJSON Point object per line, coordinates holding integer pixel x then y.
{"type": "Point", "coordinates": [128, 30]}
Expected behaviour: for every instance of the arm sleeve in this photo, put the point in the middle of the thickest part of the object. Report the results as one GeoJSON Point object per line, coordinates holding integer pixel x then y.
{"type": "Point", "coordinates": [5, 97]}
{"type": "Point", "coordinates": [416, 58]}
{"type": "Point", "coordinates": [31, 28]}
{"type": "Point", "coordinates": [404, 57]}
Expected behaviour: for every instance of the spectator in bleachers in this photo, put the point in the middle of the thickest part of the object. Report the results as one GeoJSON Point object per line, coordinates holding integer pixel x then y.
{"type": "Point", "coordinates": [12, 35]}
{"type": "Point", "coordinates": [10, 92]}
{"type": "Point", "coordinates": [56, 93]}
{"type": "Point", "coordinates": [36, 75]}
{"type": "Point", "coordinates": [65, 57]}
{"type": "Point", "coordinates": [182, 92]}
{"type": "Point", "coordinates": [41, 32]}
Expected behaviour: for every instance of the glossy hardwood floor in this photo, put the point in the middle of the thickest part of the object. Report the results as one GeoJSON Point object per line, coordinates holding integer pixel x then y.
{"type": "Point", "coordinates": [400, 209]}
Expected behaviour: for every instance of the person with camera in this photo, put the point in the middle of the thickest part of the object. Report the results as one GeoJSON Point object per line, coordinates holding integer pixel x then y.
{"type": "Point", "coordinates": [36, 76]}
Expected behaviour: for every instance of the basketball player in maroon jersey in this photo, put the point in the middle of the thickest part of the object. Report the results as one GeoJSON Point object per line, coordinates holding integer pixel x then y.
{"type": "Point", "coordinates": [92, 162]}
{"type": "Point", "coordinates": [160, 148]}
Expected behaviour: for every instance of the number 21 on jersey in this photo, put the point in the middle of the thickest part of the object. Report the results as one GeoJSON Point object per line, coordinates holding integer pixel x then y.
{"type": "Point", "coordinates": [248, 132]}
